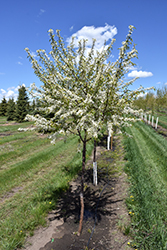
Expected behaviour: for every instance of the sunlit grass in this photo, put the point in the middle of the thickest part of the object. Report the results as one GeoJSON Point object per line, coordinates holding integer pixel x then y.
{"type": "Point", "coordinates": [147, 173]}
{"type": "Point", "coordinates": [36, 169]}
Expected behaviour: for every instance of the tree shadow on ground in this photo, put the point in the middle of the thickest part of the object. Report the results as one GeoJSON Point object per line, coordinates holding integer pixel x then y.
{"type": "Point", "coordinates": [98, 204]}
{"type": "Point", "coordinates": [96, 198]}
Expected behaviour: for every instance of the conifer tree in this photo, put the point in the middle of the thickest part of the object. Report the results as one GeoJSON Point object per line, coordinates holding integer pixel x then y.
{"type": "Point", "coordinates": [3, 107]}
{"type": "Point", "coordinates": [11, 111]}
{"type": "Point", "coordinates": [22, 104]}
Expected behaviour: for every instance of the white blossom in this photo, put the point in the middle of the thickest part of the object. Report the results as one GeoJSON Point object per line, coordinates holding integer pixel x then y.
{"type": "Point", "coordinates": [84, 91]}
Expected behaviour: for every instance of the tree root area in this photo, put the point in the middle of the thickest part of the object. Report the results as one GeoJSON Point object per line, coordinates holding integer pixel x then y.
{"type": "Point", "coordinates": [105, 215]}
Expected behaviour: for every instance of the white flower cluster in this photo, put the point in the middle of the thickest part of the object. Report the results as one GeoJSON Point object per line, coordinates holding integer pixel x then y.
{"type": "Point", "coordinates": [84, 92]}
{"type": "Point", "coordinates": [26, 129]}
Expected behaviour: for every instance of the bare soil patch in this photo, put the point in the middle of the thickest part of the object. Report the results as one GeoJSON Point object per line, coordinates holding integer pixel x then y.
{"type": "Point", "coordinates": [6, 134]}
{"type": "Point", "coordinates": [105, 214]}
{"type": "Point", "coordinates": [10, 194]}
{"type": "Point", "coordinates": [9, 124]}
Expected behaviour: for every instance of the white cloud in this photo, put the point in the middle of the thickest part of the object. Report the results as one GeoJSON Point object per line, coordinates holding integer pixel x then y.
{"type": "Point", "coordinates": [140, 73]}
{"type": "Point", "coordinates": [16, 88]}
{"type": "Point", "coordinates": [71, 28]}
{"type": "Point", "coordinates": [101, 34]}
{"type": "Point", "coordinates": [3, 91]}
{"type": "Point", "coordinates": [132, 68]}
{"type": "Point", "coordinates": [9, 94]}
{"type": "Point", "coordinates": [41, 12]}
{"type": "Point", "coordinates": [142, 94]}
{"type": "Point", "coordinates": [19, 63]}
{"type": "Point", "coordinates": [158, 82]}
{"type": "Point", "coordinates": [165, 83]}
{"type": "Point", "coordinates": [10, 88]}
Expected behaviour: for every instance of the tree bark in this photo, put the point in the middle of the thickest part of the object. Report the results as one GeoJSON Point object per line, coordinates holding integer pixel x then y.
{"type": "Point", "coordinates": [111, 141]}
{"type": "Point", "coordinates": [82, 186]}
{"type": "Point", "coordinates": [94, 152]}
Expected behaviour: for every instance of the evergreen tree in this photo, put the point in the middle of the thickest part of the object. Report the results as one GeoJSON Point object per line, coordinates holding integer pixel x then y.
{"type": "Point", "coordinates": [22, 104]}
{"type": "Point", "coordinates": [11, 111]}
{"type": "Point", "coordinates": [31, 107]}
{"type": "Point", "coordinates": [3, 107]}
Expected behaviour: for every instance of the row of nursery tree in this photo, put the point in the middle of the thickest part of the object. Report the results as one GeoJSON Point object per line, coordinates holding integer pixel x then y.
{"type": "Point", "coordinates": [83, 92]}
{"type": "Point", "coordinates": [155, 102]}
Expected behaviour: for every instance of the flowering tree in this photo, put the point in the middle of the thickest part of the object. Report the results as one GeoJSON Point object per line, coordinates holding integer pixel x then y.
{"type": "Point", "coordinates": [83, 90]}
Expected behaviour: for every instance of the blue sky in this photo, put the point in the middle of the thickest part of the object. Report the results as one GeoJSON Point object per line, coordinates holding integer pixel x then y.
{"type": "Point", "coordinates": [25, 24]}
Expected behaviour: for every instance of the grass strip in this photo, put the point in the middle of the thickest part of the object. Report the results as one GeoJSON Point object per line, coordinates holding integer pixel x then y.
{"type": "Point", "coordinates": [13, 151]}
{"type": "Point", "coordinates": [28, 209]}
{"type": "Point", "coordinates": [14, 127]}
{"type": "Point", "coordinates": [23, 170]}
{"type": "Point", "coordinates": [146, 154]}
{"type": "Point", "coordinates": [13, 137]}
{"type": "Point", "coordinates": [2, 119]}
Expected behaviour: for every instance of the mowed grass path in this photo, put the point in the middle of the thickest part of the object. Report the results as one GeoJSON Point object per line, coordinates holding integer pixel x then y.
{"type": "Point", "coordinates": [147, 171]}
{"type": "Point", "coordinates": [162, 121]}
{"type": "Point", "coordinates": [33, 174]}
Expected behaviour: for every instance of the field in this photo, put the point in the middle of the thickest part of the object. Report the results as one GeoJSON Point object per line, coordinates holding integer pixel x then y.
{"type": "Point", "coordinates": [33, 174]}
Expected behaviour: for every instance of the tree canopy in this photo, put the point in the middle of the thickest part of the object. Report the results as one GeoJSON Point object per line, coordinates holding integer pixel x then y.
{"type": "Point", "coordinates": [83, 91]}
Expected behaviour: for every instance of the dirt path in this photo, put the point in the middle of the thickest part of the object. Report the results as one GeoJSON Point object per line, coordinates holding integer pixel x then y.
{"type": "Point", "coordinates": [104, 204]}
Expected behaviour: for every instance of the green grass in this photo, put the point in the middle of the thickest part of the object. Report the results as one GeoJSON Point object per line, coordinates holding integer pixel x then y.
{"type": "Point", "coordinates": [33, 174]}
{"type": "Point", "coordinates": [2, 119]}
{"type": "Point", "coordinates": [146, 167]}
{"type": "Point", "coordinates": [162, 121]}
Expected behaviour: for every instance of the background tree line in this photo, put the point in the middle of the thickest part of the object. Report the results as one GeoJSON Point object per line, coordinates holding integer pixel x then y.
{"type": "Point", "coordinates": [17, 110]}
{"type": "Point", "coordinates": [155, 102]}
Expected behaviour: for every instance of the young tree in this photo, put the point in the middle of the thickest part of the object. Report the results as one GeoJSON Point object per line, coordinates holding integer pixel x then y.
{"type": "Point", "coordinates": [83, 92]}
{"type": "Point", "coordinates": [161, 98]}
{"type": "Point", "coordinates": [11, 111]}
{"type": "Point", "coordinates": [22, 104]}
{"type": "Point", "coordinates": [3, 107]}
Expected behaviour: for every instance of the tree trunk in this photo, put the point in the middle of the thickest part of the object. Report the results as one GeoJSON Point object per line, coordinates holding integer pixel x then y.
{"type": "Point", "coordinates": [94, 152]}
{"type": "Point", "coordinates": [82, 186]}
{"type": "Point", "coordinates": [111, 141]}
